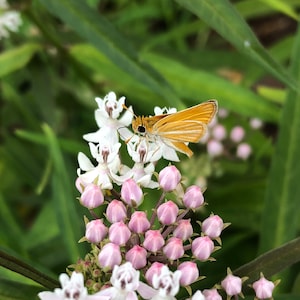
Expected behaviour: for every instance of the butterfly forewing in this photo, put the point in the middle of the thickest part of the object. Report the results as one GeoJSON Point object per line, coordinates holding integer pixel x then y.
{"type": "Point", "coordinates": [184, 131]}
{"type": "Point", "coordinates": [203, 112]}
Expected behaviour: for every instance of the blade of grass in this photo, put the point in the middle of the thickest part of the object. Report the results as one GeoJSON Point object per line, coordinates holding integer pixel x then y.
{"type": "Point", "coordinates": [225, 19]}
{"type": "Point", "coordinates": [280, 219]}
{"type": "Point", "coordinates": [281, 214]}
{"type": "Point", "coordinates": [188, 82]}
{"type": "Point", "coordinates": [17, 58]}
{"type": "Point", "coordinates": [67, 215]}
{"type": "Point", "coordinates": [94, 28]}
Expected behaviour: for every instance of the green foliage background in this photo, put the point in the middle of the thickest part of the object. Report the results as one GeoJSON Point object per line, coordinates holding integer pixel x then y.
{"type": "Point", "coordinates": [155, 52]}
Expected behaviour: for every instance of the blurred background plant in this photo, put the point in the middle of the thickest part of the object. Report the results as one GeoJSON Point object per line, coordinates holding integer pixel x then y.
{"type": "Point", "coordinates": [169, 53]}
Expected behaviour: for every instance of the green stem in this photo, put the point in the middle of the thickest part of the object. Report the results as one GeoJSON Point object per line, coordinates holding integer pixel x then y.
{"type": "Point", "coordinates": [12, 263]}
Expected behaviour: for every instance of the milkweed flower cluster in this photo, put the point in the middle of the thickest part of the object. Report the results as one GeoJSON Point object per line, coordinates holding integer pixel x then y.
{"type": "Point", "coordinates": [10, 20]}
{"type": "Point", "coordinates": [136, 253]}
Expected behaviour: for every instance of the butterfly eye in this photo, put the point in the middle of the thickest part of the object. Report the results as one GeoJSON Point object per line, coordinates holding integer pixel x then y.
{"type": "Point", "coordinates": [141, 129]}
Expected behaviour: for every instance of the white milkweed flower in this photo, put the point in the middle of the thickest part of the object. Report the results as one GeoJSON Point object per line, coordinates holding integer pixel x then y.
{"type": "Point", "coordinates": [10, 20]}
{"type": "Point", "coordinates": [72, 289]}
{"type": "Point", "coordinates": [109, 120]}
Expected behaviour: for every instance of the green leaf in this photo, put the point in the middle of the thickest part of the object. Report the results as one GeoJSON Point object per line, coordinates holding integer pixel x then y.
{"type": "Point", "coordinates": [99, 32]}
{"type": "Point", "coordinates": [199, 85]}
{"type": "Point", "coordinates": [16, 265]}
{"type": "Point", "coordinates": [272, 262]}
{"type": "Point", "coordinates": [225, 19]}
{"type": "Point", "coordinates": [282, 7]}
{"type": "Point", "coordinates": [67, 216]}
{"type": "Point", "coordinates": [280, 220]}
{"type": "Point", "coordinates": [11, 290]}
{"type": "Point", "coordinates": [15, 59]}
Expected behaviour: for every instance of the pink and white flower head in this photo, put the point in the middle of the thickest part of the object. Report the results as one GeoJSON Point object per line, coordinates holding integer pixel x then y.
{"type": "Point", "coordinates": [108, 164]}
{"type": "Point", "coordinates": [223, 113]}
{"type": "Point", "coordinates": [131, 193]}
{"type": "Point", "coordinates": [212, 294]}
{"type": "Point", "coordinates": [116, 211]}
{"type": "Point", "coordinates": [142, 150]}
{"type": "Point", "coordinates": [219, 132]}
{"type": "Point", "coordinates": [237, 133]}
{"type": "Point", "coordinates": [212, 226]}
{"type": "Point", "coordinates": [174, 248]}
{"type": "Point", "coordinates": [214, 148]}
{"type": "Point", "coordinates": [263, 288]}
{"type": "Point", "coordinates": [243, 151]}
{"type": "Point", "coordinates": [107, 118]}
{"type": "Point", "coordinates": [167, 213]}
{"type": "Point", "coordinates": [72, 289]}
{"type": "Point", "coordinates": [190, 273]}
{"type": "Point", "coordinates": [193, 197]}
{"type": "Point", "coordinates": [155, 268]}
{"type": "Point", "coordinates": [184, 229]}
{"type": "Point", "coordinates": [164, 110]}
{"type": "Point", "coordinates": [110, 256]}
{"type": "Point", "coordinates": [125, 277]}
{"type": "Point", "coordinates": [168, 178]}
{"type": "Point", "coordinates": [119, 233]}
{"type": "Point", "coordinates": [154, 241]}
{"type": "Point", "coordinates": [95, 231]}
{"type": "Point", "coordinates": [139, 222]}
{"type": "Point", "coordinates": [9, 20]}
{"type": "Point", "coordinates": [202, 247]}
{"type": "Point", "coordinates": [256, 123]}
{"type": "Point", "coordinates": [232, 285]}
{"type": "Point", "coordinates": [199, 296]}
{"type": "Point", "coordinates": [92, 196]}
{"type": "Point", "coordinates": [167, 284]}
{"type": "Point", "coordinates": [137, 255]}
{"type": "Point", "coordinates": [125, 283]}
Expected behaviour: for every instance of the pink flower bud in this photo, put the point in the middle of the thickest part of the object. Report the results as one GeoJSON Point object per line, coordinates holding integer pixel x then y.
{"type": "Point", "coordinates": [95, 231]}
{"type": "Point", "coordinates": [174, 248]}
{"type": "Point", "coordinates": [137, 256]}
{"type": "Point", "coordinates": [243, 151]}
{"type": "Point", "coordinates": [153, 240]}
{"type": "Point", "coordinates": [232, 285]}
{"type": "Point", "coordinates": [223, 113]}
{"type": "Point", "coordinates": [189, 273]}
{"type": "Point", "coordinates": [155, 269]}
{"type": "Point", "coordinates": [184, 229]}
{"type": "Point", "coordinates": [92, 196]}
{"type": "Point", "coordinates": [131, 193]}
{"type": "Point", "coordinates": [167, 213]}
{"type": "Point", "coordinates": [202, 247]}
{"type": "Point", "coordinates": [263, 288]}
{"type": "Point", "coordinates": [138, 222]}
{"type": "Point", "coordinates": [116, 211]}
{"type": "Point", "coordinates": [237, 133]}
{"type": "Point", "coordinates": [169, 178]}
{"type": "Point", "coordinates": [193, 197]}
{"type": "Point", "coordinates": [214, 148]}
{"type": "Point", "coordinates": [219, 132]}
{"type": "Point", "coordinates": [119, 233]}
{"type": "Point", "coordinates": [212, 294]}
{"type": "Point", "coordinates": [256, 123]}
{"type": "Point", "coordinates": [212, 226]}
{"type": "Point", "coordinates": [109, 256]}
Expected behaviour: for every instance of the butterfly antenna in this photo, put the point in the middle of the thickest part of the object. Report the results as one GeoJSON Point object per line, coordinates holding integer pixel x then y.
{"type": "Point", "coordinates": [128, 108]}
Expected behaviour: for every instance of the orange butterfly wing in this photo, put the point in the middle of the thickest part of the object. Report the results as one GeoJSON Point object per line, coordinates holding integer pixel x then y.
{"type": "Point", "coordinates": [188, 125]}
